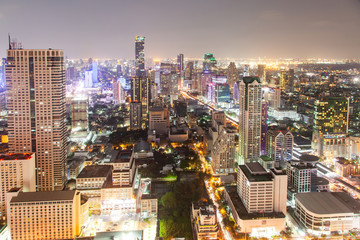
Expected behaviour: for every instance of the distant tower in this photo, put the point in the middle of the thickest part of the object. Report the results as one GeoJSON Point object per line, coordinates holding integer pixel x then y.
{"type": "Point", "coordinates": [180, 62]}
{"type": "Point", "coordinates": [232, 76]}
{"type": "Point", "coordinates": [140, 56]}
{"type": "Point", "coordinates": [95, 79]}
{"type": "Point", "coordinates": [209, 63]}
{"type": "Point", "coordinates": [291, 78]}
{"type": "Point", "coordinates": [283, 80]}
{"type": "Point", "coordinates": [246, 72]}
{"type": "Point", "coordinates": [250, 96]}
{"type": "Point", "coordinates": [262, 72]}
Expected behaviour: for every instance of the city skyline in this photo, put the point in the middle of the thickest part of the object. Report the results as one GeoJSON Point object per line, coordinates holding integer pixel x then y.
{"type": "Point", "coordinates": [236, 29]}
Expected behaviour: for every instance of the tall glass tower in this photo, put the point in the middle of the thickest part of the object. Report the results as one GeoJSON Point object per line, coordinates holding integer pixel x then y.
{"type": "Point", "coordinates": [140, 56]}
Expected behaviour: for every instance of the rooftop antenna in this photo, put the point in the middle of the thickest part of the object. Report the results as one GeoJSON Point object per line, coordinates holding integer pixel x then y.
{"type": "Point", "coordinates": [9, 41]}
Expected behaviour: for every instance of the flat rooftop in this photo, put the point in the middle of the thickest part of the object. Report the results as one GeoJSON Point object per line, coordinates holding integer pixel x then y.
{"type": "Point", "coordinates": [328, 202]}
{"type": "Point", "coordinates": [16, 156]}
{"type": "Point", "coordinates": [95, 171]}
{"type": "Point", "coordinates": [254, 172]}
{"type": "Point", "coordinates": [128, 235]}
{"type": "Point", "coordinates": [44, 196]}
{"type": "Point", "coordinates": [120, 156]}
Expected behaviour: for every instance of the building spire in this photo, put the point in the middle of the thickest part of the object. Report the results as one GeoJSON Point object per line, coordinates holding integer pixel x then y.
{"type": "Point", "coordinates": [9, 41]}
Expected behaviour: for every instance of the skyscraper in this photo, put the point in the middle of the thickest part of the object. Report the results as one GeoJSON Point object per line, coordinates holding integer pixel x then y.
{"type": "Point", "coordinates": [94, 69]}
{"type": "Point", "coordinates": [232, 76]}
{"type": "Point", "coordinates": [291, 79]}
{"type": "Point", "coordinates": [282, 79]}
{"type": "Point", "coordinates": [35, 82]}
{"type": "Point", "coordinates": [262, 72]}
{"type": "Point", "coordinates": [180, 62]}
{"type": "Point", "coordinates": [249, 119]}
{"type": "Point", "coordinates": [209, 63]}
{"type": "Point", "coordinates": [141, 94]}
{"type": "Point", "coordinates": [140, 56]}
{"type": "Point", "coordinates": [331, 122]}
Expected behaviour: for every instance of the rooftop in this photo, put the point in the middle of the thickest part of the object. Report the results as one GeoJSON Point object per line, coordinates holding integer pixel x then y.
{"type": "Point", "coordinates": [255, 168]}
{"type": "Point", "coordinates": [128, 235]}
{"type": "Point", "coordinates": [264, 176]}
{"type": "Point", "coordinates": [94, 171]}
{"type": "Point", "coordinates": [328, 202]}
{"type": "Point", "coordinates": [142, 146]}
{"type": "Point", "coordinates": [16, 156]}
{"type": "Point", "coordinates": [308, 158]}
{"type": "Point", "coordinates": [120, 156]}
{"type": "Point", "coordinates": [266, 158]}
{"type": "Point", "coordinates": [44, 196]}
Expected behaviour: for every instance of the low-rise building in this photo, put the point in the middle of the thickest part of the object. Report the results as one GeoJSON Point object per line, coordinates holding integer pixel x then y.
{"type": "Point", "coordinates": [16, 171]}
{"type": "Point", "coordinates": [46, 215]}
{"type": "Point", "coordinates": [326, 212]}
{"type": "Point", "coordinates": [204, 221]}
{"type": "Point", "coordinates": [258, 203]}
{"type": "Point", "coordinates": [346, 168]}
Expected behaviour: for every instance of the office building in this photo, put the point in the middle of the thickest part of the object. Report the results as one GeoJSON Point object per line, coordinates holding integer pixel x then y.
{"type": "Point", "coordinates": [258, 203]}
{"type": "Point", "coordinates": [264, 125]}
{"type": "Point", "coordinates": [79, 114]}
{"type": "Point", "coordinates": [35, 81]}
{"type": "Point", "coordinates": [88, 81]}
{"type": "Point", "coordinates": [209, 63]}
{"type": "Point", "coordinates": [262, 72]}
{"type": "Point", "coordinates": [94, 71]}
{"type": "Point", "coordinates": [249, 119]}
{"type": "Point", "coordinates": [141, 93]}
{"type": "Point", "coordinates": [118, 92]}
{"type": "Point", "coordinates": [283, 80]}
{"type": "Point", "coordinates": [302, 175]}
{"type": "Point", "coordinates": [291, 79]}
{"type": "Point", "coordinates": [159, 120]}
{"type": "Point", "coordinates": [246, 71]}
{"type": "Point", "coordinates": [279, 145]}
{"type": "Point", "coordinates": [46, 215]}
{"type": "Point", "coordinates": [204, 221]}
{"type": "Point", "coordinates": [135, 115]}
{"type": "Point", "coordinates": [232, 76]}
{"type": "Point", "coordinates": [180, 62]}
{"type": "Point", "coordinates": [222, 93]}
{"type": "Point", "coordinates": [330, 131]}
{"type": "Point", "coordinates": [16, 171]}
{"type": "Point", "coordinates": [189, 70]}
{"type": "Point", "coordinates": [140, 56]}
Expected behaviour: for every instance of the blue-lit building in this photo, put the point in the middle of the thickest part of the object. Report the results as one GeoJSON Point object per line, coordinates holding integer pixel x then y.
{"type": "Point", "coordinates": [222, 93]}
{"type": "Point", "coordinates": [95, 79]}
{"type": "Point", "coordinates": [2, 74]}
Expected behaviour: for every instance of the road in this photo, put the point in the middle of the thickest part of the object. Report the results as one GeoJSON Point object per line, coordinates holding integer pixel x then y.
{"type": "Point", "coordinates": [228, 118]}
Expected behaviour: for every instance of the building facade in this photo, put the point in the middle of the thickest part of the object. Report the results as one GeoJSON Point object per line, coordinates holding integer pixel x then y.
{"type": "Point", "coordinates": [16, 171]}
{"type": "Point", "coordinates": [35, 82]}
{"type": "Point", "coordinates": [330, 132]}
{"type": "Point", "coordinates": [46, 215]}
{"type": "Point", "coordinates": [250, 96]}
